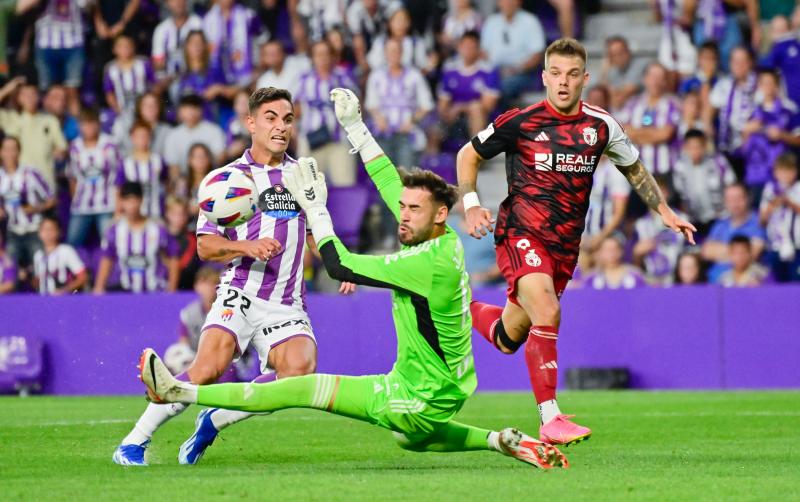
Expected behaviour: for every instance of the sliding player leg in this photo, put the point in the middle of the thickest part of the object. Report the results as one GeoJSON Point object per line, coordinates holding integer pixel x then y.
{"type": "Point", "coordinates": [214, 354]}
{"type": "Point", "coordinates": [383, 400]}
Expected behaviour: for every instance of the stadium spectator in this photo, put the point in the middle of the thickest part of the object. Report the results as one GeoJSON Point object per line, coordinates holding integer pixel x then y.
{"type": "Point", "coordinates": [57, 267]}
{"type": "Point", "coordinates": [147, 168]}
{"type": "Point", "coordinates": [479, 255]}
{"type": "Point", "coordinates": [319, 16]}
{"type": "Point", "coordinates": [731, 101]}
{"type": "Point", "coordinates": [281, 71]}
{"type": "Point", "coordinates": [112, 19]}
{"type": "Point", "coordinates": [142, 249]}
{"type": "Point", "coordinates": [611, 272]}
{"type": "Point", "coordinates": [26, 196]}
{"type": "Point", "coordinates": [718, 20]}
{"type": "Point", "coordinates": [700, 179]}
{"type": "Point", "coordinates": [8, 270]}
{"type": "Point", "coordinates": [414, 50]}
{"type": "Point", "coordinates": [237, 136]}
{"type": "Point", "coordinates": [691, 114]}
{"type": "Point", "coordinates": [608, 202]}
{"type": "Point", "coordinates": [690, 269]}
{"type": "Point", "coordinates": [193, 316]}
{"type": "Point", "coordinates": [675, 51]}
{"type": "Point", "coordinates": [620, 72]}
{"type": "Point", "coordinates": [461, 18]}
{"type": "Point", "coordinates": [651, 120]}
{"type": "Point", "coordinates": [469, 88]}
{"type": "Point", "coordinates": [200, 76]}
{"type": "Point", "coordinates": [39, 134]}
{"type": "Point", "coordinates": [148, 110]}
{"type": "Point", "coordinates": [94, 161]}
{"type": "Point", "coordinates": [169, 37]}
{"type": "Point", "coordinates": [657, 247]}
{"type": "Point", "coordinates": [514, 41]}
{"type": "Point", "coordinates": [397, 99]}
{"type": "Point", "coordinates": [192, 129]}
{"type": "Point", "coordinates": [320, 135]}
{"type": "Point", "coordinates": [200, 162]}
{"type": "Point", "coordinates": [740, 221]}
{"type": "Point", "coordinates": [744, 270]}
{"type": "Point", "coordinates": [343, 57]}
{"type": "Point", "coordinates": [233, 32]}
{"type": "Point", "coordinates": [126, 77]}
{"type": "Point", "coordinates": [178, 226]}
{"type": "Point", "coordinates": [785, 57]}
{"type": "Point", "coordinates": [780, 213]}
{"type": "Point", "coordinates": [774, 119]}
{"type": "Point", "coordinates": [55, 103]}
{"type": "Point", "coordinates": [59, 47]}
{"type": "Point", "coordinates": [366, 19]}
{"type": "Point", "coordinates": [706, 74]}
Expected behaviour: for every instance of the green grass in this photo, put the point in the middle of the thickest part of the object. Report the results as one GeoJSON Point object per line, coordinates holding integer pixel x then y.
{"type": "Point", "coordinates": [742, 445]}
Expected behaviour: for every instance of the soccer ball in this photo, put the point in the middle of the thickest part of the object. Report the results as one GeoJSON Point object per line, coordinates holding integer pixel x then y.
{"type": "Point", "coordinates": [178, 357]}
{"type": "Point", "coordinates": [227, 196]}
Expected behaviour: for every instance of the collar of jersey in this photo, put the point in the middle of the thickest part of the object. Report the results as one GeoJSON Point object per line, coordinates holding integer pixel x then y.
{"type": "Point", "coordinates": [555, 112]}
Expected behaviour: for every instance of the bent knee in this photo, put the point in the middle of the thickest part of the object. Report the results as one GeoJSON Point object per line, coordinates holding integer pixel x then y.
{"type": "Point", "coordinates": [296, 366]}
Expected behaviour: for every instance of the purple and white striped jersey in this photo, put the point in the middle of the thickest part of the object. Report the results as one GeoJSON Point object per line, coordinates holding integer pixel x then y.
{"type": "Point", "coordinates": [313, 95]}
{"type": "Point", "coordinates": [231, 41]}
{"type": "Point", "coordinates": [280, 279]}
{"type": "Point", "coordinates": [25, 187]}
{"type": "Point", "coordinates": [398, 97]}
{"type": "Point", "coordinates": [94, 171]}
{"type": "Point", "coordinates": [139, 252]}
{"type": "Point", "coordinates": [60, 26]}
{"type": "Point", "coordinates": [128, 84]}
{"type": "Point", "coordinates": [658, 159]}
{"type": "Point", "coordinates": [631, 278]}
{"type": "Point", "coordinates": [760, 153]}
{"type": "Point", "coordinates": [54, 270]}
{"type": "Point", "coordinates": [700, 186]}
{"type": "Point", "coordinates": [711, 13]}
{"type": "Point", "coordinates": [608, 184]}
{"type": "Point", "coordinates": [735, 102]}
{"type": "Point", "coordinates": [8, 269]}
{"type": "Point", "coordinates": [152, 174]}
{"type": "Point", "coordinates": [462, 84]}
{"type": "Point", "coordinates": [660, 262]}
{"type": "Point", "coordinates": [783, 226]}
{"type": "Point", "coordinates": [168, 40]}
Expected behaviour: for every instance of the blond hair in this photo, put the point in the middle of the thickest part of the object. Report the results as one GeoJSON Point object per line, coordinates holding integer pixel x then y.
{"type": "Point", "coordinates": [565, 47]}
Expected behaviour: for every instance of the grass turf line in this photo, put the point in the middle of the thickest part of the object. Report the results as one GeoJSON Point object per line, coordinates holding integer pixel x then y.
{"type": "Point", "coordinates": [657, 445]}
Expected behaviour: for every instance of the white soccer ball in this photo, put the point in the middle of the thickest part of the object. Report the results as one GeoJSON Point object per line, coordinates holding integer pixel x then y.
{"type": "Point", "coordinates": [178, 357]}
{"type": "Point", "coordinates": [227, 196]}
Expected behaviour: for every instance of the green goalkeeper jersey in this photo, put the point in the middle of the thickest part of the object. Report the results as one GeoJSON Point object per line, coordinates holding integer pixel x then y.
{"type": "Point", "coordinates": [430, 302]}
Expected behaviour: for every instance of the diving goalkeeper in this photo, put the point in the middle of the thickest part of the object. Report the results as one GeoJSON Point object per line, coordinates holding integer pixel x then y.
{"type": "Point", "coordinates": [434, 372]}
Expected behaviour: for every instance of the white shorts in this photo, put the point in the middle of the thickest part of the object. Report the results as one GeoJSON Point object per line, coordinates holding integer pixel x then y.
{"type": "Point", "coordinates": [251, 320]}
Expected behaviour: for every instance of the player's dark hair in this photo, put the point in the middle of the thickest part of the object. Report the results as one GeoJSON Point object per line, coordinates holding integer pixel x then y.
{"type": "Point", "coordinates": [787, 160]}
{"type": "Point", "coordinates": [471, 34]}
{"type": "Point", "coordinates": [131, 188]}
{"type": "Point", "coordinates": [565, 47]}
{"type": "Point", "coordinates": [441, 191]}
{"type": "Point", "coordinates": [89, 114]}
{"type": "Point", "coordinates": [267, 95]}
{"type": "Point", "coordinates": [694, 134]}
{"type": "Point", "coordinates": [740, 239]}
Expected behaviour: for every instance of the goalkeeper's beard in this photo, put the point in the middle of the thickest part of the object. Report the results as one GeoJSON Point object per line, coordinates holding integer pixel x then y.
{"type": "Point", "coordinates": [411, 237]}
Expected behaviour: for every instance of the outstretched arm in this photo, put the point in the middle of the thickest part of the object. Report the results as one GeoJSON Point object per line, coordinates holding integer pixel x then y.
{"type": "Point", "coordinates": [645, 185]}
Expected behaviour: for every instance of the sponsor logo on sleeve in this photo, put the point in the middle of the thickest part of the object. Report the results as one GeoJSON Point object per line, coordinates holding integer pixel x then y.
{"type": "Point", "coordinates": [486, 133]}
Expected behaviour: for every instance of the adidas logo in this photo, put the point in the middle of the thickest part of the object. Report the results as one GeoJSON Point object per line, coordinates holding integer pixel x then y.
{"type": "Point", "coordinates": [542, 136]}
{"type": "Point", "coordinates": [550, 365]}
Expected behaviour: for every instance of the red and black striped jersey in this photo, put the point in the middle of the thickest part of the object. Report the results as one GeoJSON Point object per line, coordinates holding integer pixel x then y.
{"type": "Point", "coordinates": [550, 160]}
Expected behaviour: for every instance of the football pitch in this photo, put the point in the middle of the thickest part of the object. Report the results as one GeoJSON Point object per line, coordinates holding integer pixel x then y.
{"type": "Point", "coordinates": [656, 446]}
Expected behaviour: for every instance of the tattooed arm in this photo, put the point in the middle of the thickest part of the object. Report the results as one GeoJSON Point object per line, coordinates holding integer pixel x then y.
{"type": "Point", "coordinates": [221, 250]}
{"type": "Point", "coordinates": [645, 185]}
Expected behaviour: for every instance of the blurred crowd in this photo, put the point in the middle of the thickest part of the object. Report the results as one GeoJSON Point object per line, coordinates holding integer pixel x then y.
{"type": "Point", "coordinates": [113, 111]}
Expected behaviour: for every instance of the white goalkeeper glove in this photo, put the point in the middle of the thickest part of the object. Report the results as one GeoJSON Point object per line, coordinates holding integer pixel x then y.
{"type": "Point", "coordinates": [307, 186]}
{"type": "Point", "coordinates": [348, 113]}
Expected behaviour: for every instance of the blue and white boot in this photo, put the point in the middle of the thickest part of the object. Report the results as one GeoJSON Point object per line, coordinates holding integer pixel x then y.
{"type": "Point", "coordinates": [205, 433]}
{"type": "Point", "coordinates": [130, 454]}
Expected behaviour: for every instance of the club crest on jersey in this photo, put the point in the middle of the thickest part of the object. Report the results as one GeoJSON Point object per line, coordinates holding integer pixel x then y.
{"type": "Point", "coordinates": [590, 135]}
{"type": "Point", "coordinates": [523, 244]}
{"type": "Point", "coordinates": [532, 259]}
